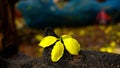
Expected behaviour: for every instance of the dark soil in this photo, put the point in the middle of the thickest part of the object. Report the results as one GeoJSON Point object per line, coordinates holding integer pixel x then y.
{"type": "Point", "coordinates": [85, 59]}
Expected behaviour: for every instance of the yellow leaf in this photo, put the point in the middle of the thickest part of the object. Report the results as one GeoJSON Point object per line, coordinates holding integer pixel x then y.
{"type": "Point", "coordinates": [72, 46]}
{"type": "Point", "coordinates": [57, 51]}
{"type": "Point", "coordinates": [47, 41]}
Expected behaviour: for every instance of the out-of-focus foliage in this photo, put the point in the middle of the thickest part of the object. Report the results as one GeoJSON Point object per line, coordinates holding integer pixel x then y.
{"type": "Point", "coordinates": [109, 48]}
{"type": "Point", "coordinates": [90, 38]}
{"type": "Point", "coordinates": [39, 37]}
{"type": "Point", "coordinates": [103, 38]}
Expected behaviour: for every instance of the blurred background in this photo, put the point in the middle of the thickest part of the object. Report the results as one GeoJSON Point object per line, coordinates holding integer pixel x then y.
{"type": "Point", "coordinates": [94, 23]}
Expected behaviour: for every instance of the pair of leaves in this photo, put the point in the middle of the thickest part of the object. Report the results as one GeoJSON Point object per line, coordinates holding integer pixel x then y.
{"type": "Point", "coordinates": [71, 45]}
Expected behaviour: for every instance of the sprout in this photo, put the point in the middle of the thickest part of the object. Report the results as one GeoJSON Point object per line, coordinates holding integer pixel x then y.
{"type": "Point", "coordinates": [71, 45]}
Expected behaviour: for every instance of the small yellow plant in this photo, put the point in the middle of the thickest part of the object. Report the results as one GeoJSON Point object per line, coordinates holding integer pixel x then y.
{"type": "Point", "coordinates": [71, 45]}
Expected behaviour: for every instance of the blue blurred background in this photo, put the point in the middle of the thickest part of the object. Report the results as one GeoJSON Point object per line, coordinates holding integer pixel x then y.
{"type": "Point", "coordinates": [42, 13]}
